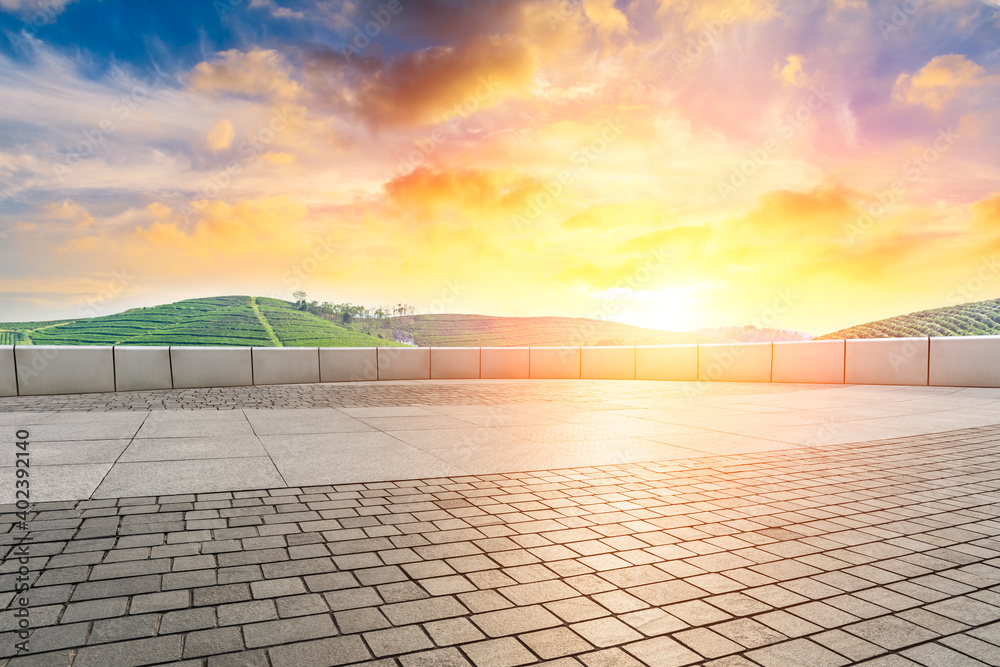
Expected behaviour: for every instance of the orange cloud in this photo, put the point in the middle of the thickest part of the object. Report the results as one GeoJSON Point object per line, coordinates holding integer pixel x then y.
{"type": "Point", "coordinates": [473, 194]}
{"type": "Point", "coordinates": [701, 14]}
{"type": "Point", "coordinates": [941, 80]}
{"type": "Point", "coordinates": [793, 72]}
{"type": "Point", "coordinates": [438, 82]}
{"type": "Point", "coordinates": [605, 15]}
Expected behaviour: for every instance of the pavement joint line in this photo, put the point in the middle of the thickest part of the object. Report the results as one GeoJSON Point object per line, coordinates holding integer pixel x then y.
{"type": "Point", "coordinates": [270, 458]}
{"type": "Point", "coordinates": [118, 458]}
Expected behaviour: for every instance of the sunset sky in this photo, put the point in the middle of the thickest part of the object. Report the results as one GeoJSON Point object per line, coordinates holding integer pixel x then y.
{"type": "Point", "coordinates": [669, 163]}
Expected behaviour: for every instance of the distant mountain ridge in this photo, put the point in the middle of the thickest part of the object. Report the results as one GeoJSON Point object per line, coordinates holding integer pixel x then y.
{"type": "Point", "coordinates": [977, 318]}
{"type": "Point", "coordinates": [753, 334]}
{"type": "Point", "coordinates": [457, 330]}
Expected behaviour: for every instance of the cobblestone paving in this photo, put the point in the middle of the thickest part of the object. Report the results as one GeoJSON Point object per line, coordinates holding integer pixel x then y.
{"type": "Point", "coordinates": [881, 553]}
{"type": "Point", "coordinates": [381, 394]}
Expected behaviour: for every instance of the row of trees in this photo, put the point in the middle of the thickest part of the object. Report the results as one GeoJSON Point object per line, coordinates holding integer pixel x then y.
{"type": "Point", "coordinates": [346, 313]}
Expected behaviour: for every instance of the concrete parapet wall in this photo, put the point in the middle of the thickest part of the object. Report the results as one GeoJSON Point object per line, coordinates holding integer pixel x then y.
{"type": "Point", "coordinates": [742, 362]}
{"type": "Point", "coordinates": [64, 369]}
{"type": "Point", "coordinates": [455, 363]}
{"type": "Point", "coordinates": [607, 363]}
{"type": "Point", "coordinates": [666, 362]}
{"type": "Point", "coordinates": [960, 361]}
{"type": "Point", "coordinates": [820, 361]}
{"type": "Point", "coordinates": [504, 363]}
{"type": "Point", "coordinates": [554, 362]}
{"type": "Point", "coordinates": [965, 361]}
{"type": "Point", "coordinates": [285, 365]}
{"type": "Point", "coordinates": [139, 368]}
{"type": "Point", "coordinates": [348, 364]}
{"type": "Point", "coordinates": [211, 367]}
{"type": "Point", "coordinates": [8, 371]}
{"type": "Point", "coordinates": [404, 363]}
{"type": "Point", "coordinates": [887, 361]}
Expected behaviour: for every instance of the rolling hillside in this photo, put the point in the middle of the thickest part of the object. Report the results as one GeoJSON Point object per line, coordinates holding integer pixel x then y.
{"type": "Point", "coordinates": [752, 334]}
{"type": "Point", "coordinates": [222, 320]}
{"type": "Point", "coordinates": [978, 318]}
{"type": "Point", "coordinates": [446, 330]}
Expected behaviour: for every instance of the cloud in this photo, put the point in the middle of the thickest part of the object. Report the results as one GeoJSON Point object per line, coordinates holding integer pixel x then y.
{"type": "Point", "coordinates": [462, 196]}
{"type": "Point", "coordinates": [260, 74]}
{"type": "Point", "coordinates": [424, 86]}
{"type": "Point", "coordinates": [793, 73]}
{"type": "Point", "coordinates": [220, 137]}
{"type": "Point", "coordinates": [71, 212]}
{"type": "Point", "coordinates": [35, 11]}
{"type": "Point", "coordinates": [941, 80]}
{"type": "Point", "coordinates": [276, 10]}
{"type": "Point", "coordinates": [605, 15]}
{"type": "Point", "coordinates": [278, 158]}
{"type": "Point", "coordinates": [700, 14]}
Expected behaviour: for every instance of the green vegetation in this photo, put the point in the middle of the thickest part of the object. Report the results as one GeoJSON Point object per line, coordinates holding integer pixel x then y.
{"type": "Point", "coordinates": [351, 313]}
{"type": "Point", "coordinates": [224, 320]}
{"type": "Point", "coordinates": [297, 328]}
{"type": "Point", "coordinates": [980, 318]}
{"type": "Point", "coordinates": [11, 338]}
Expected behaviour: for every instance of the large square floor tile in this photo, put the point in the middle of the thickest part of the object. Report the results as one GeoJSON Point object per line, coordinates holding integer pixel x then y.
{"type": "Point", "coordinates": [154, 478]}
{"type": "Point", "coordinates": [55, 482]}
{"type": "Point", "coordinates": [179, 449]}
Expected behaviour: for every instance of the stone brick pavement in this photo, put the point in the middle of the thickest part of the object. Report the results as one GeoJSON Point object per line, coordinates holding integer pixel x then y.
{"type": "Point", "coordinates": [383, 394]}
{"type": "Point", "coordinates": [880, 553]}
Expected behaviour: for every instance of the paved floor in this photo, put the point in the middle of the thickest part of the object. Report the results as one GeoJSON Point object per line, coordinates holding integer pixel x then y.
{"type": "Point", "coordinates": [663, 524]}
{"type": "Point", "coordinates": [434, 429]}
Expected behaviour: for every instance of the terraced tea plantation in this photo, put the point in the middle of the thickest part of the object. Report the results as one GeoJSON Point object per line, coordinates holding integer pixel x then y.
{"type": "Point", "coordinates": [980, 318]}
{"type": "Point", "coordinates": [223, 320]}
{"type": "Point", "coordinates": [295, 328]}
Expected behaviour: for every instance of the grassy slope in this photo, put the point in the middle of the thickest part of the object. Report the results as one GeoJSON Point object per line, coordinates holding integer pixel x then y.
{"type": "Point", "coordinates": [967, 319]}
{"type": "Point", "coordinates": [225, 320]}
{"type": "Point", "coordinates": [481, 330]}
{"type": "Point", "coordinates": [296, 328]}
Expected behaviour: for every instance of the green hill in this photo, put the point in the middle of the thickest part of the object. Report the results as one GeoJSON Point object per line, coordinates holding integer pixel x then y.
{"type": "Point", "coordinates": [979, 318]}
{"type": "Point", "coordinates": [446, 330]}
{"type": "Point", "coordinates": [221, 320]}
